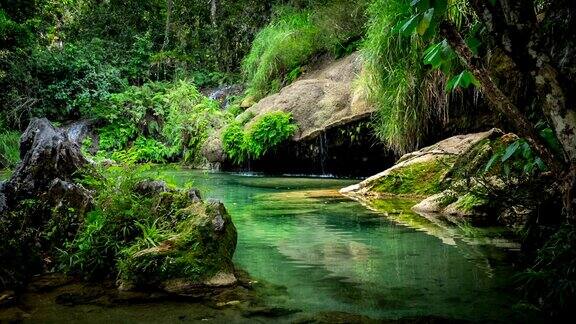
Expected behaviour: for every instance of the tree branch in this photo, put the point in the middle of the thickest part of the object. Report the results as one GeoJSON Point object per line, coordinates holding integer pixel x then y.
{"type": "Point", "coordinates": [499, 101]}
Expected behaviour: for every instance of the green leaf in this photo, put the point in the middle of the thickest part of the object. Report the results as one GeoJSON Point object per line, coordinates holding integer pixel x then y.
{"type": "Point", "coordinates": [425, 22]}
{"type": "Point", "coordinates": [408, 27]}
{"type": "Point", "coordinates": [433, 55]}
{"type": "Point", "coordinates": [510, 150]}
{"type": "Point", "coordinates": [462, 80]}
{"type": "Point", "coordinates": [541, 165]}
{"type": "Point", "coordinates": [491, 162]}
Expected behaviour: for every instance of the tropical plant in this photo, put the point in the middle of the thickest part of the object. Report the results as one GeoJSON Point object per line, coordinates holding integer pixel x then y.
{"type": "Point", "coordinates": [267, 132]}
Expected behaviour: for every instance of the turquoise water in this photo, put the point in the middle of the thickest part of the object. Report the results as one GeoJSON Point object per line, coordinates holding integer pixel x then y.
{"type": "Point", "coordinates": [333, 254]}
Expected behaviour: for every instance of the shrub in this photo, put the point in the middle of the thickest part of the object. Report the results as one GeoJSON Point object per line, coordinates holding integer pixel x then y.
{"type": "Point", "coordinates": [409, 96]}
{"type": "Point", "coordinates": [234, 143]}
{"type": "Point", "coordinates": [270, 130]}
{"type": "Point", "coordinates": [266, 133]}
{"type": "Point", "coordinates": [158, 122]}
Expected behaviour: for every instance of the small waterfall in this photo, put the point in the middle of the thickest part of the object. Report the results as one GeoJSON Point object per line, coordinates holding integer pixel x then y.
{"type": "Point", "coordinates": [223, 93]}
{"type": "Point", "coordinates": [323, 151]}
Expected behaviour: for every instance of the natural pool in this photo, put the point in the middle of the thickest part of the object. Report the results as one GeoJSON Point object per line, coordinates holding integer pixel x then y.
{"type": "Point", "coordinates": [328, 253]}
{"type": "Point", "coordinates": [333, 254]}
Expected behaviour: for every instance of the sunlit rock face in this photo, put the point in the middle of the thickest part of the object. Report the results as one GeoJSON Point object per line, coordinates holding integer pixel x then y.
{"type": "Point", "coordinates": [452, 179]}
{"type": "Point", "coordinates": [332, 116]}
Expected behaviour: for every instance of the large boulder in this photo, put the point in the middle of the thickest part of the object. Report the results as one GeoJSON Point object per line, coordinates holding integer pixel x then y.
{"type": "Point", "coordinates": [450, 179]}
{"type": "Point", "coordinates": [46, 154]}
{"type": "Point", "coordinates": [197, 254]}
{"type": "Point", "coordinates": [331, 114]}
{"type": "Point", "coordinates": [320, 100]}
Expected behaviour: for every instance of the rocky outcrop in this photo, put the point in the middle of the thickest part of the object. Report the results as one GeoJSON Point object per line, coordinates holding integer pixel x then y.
{"type": "Point", "coordinates": [197, 254]}
{"type": "Point", "coordinates": [451, 179]}
{"type": "Point", "coordinates": [320, 100]}
{"type": "Point", "coordinates": [46, 154]}
{"type": "Point", "coordinates": [329, 112]}
{"type": "Point", "coordinates": [44, 210]}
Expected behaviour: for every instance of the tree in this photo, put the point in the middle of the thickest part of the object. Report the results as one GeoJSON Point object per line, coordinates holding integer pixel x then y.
{"type": "Point", "coordinates": [528, 34]}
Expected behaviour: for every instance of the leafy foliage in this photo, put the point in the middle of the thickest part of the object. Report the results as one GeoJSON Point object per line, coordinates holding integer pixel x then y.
{"type": "Point", "coordinates": [127, 220]}
{"type": "Point", "coordinates": [551, 281]}
{"type": "Point", "coordinates": [293, 37]}
{"type": "Point", "coordinates": [158, 122]}
{"type": "Point", "coordinates": [267, 132]}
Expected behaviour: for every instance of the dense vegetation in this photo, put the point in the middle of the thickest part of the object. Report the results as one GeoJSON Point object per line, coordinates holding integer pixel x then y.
{"type": "Point", "coordinates": [140, 70]}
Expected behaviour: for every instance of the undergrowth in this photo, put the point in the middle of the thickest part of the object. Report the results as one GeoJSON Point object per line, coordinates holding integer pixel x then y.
{"type": "Point", "coordinates": [9, 149]}
{"type": "Point", "coordinates": [264, 134]}
{"type": "Point", "coordinates": [407, 93]}
{"type": "Point", "coordinates": [158, 122]}
{"type": "Point", "coordinates": [293, 37]}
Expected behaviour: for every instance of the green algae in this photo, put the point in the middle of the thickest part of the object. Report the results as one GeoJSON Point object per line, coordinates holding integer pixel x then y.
{"type": "Point", "coordinates": [420, 178]}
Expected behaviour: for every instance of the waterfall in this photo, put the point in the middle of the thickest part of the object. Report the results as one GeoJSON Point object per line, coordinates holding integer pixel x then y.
{"type": "Point", "coordinates": [323, 150]}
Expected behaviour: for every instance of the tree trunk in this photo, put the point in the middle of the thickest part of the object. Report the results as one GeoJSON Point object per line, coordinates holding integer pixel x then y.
{"type": "Point", "coordinates": [169, 6]}
{"type": "Point", "coordinates": [498, 100]}
{"type": "Point", "coordinates": [213, 6]}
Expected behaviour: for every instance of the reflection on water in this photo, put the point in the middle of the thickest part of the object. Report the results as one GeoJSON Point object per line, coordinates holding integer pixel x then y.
{"type": "Point", "coordinates": [333, 254]}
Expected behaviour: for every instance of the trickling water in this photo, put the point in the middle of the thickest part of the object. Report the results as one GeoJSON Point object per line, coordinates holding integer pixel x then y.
{"type": "Point", "coordinates": [222, 94]}
{"type": "Point", "coordinates": [77, 131]}
{"type": "Point", "coordinates": [323, 150]}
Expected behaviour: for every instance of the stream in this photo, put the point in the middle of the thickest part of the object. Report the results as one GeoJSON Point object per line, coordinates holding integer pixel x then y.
{"type": "Point", "coordinates": [329, 253]}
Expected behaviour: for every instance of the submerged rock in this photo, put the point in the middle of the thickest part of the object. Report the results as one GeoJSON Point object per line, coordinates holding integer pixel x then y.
{"type": "Point", "coordinates": [450, 176]}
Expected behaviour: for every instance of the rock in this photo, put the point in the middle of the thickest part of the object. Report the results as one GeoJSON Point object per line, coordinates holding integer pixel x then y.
{"type": "Point", "coordinates": [7, 297]}
{"type": "Point", "coordinates": [196, 257]}
{"type": "Point", "coordinates": [450, 176]}
{"type": "Point", "coordinates": [3, 205]}
{"type": "Point", "coordinates": [151, 187]}
{"type": "Point", "coordinates": [46, 154]}
{"type": "Point", "coordinates": [223, 93]}
{"type": "Point", "coordinates": [319, 100]}
{"type": "Point", "coordinates": [420, 172]}
{"type": "Point", "coordinates": [48, 282]}
{"type": "Point", "coordinates": [194, 195]}
{"type": "Point", "coordinates": [41, 204]}
{"type": "Point", "coordinates": [71, 195]}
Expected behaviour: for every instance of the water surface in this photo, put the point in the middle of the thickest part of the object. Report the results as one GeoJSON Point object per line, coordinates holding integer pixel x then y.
{"type": "Point", "coordinates": [333, 254]}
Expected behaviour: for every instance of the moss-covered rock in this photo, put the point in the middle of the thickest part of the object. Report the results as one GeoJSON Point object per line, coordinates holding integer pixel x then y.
{"type": "Point", "coordinates": [197, 253]}
{"type": "Point", "coordinates": [424, 172]}
{"type": "Point", "coordinates": [58, 212]}
{"type": "Point", "coordinates": [453, 177]}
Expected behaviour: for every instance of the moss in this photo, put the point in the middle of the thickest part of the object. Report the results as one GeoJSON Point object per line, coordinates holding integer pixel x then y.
{"type": "Point", "coordinates": [470, 202]}
{"type": "Point", "coordinates": [424, 178]}
{"type": "Point", "coordinates": [148, 232]}
{"type": "Point", "coordinates": [195, 251]}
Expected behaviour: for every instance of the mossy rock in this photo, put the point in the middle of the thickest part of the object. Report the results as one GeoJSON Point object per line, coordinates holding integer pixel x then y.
{"type": "Point", "coordinates": [422, 178]}
{"type": "Point", "coordinates": [197, 253]}
{"type": "Point", "coordinates": [452, 176]}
